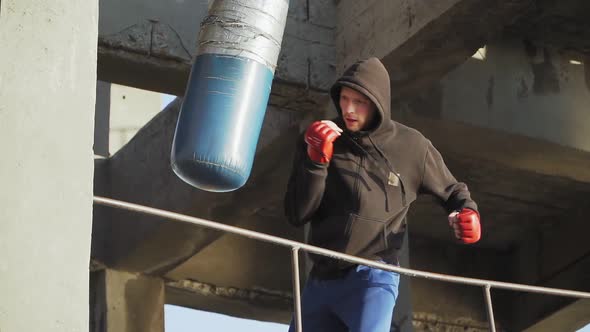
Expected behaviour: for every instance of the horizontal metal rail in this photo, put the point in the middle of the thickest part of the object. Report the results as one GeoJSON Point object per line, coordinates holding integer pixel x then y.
{"type": "Point", "coordinates": [335, 254]}
{"type": "Point", "coordinates": [296, 246]}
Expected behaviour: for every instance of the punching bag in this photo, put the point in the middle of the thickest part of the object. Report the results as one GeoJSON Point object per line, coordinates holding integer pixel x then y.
{"type": "Point", "coordinates": [227, 93]}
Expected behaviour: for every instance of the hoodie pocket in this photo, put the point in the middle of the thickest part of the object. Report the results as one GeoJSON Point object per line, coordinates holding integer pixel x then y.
{"type": "Point", "coordinates": [367, 236]}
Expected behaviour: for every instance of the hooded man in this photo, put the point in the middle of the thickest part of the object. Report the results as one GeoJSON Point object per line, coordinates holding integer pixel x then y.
{"type": "Point", "coordinates": [353, 179]}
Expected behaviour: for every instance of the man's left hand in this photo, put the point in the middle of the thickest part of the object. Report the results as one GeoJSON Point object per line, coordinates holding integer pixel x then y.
{"type": "Point", "coordinates": [466, 226]}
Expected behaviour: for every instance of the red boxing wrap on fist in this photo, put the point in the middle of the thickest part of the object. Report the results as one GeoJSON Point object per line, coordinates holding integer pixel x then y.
{"type": "Point", "coordinates": [467, 226]}
{"type": "Point", "coordinates": [320, 138]}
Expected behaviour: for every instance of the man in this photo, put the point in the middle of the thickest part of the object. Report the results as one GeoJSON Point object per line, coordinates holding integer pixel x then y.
{"type": "Point", "coordinates": [354, 179]}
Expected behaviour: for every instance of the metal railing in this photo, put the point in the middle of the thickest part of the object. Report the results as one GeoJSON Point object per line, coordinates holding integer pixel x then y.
{"type": "Point", "coordinates": [295, 246]}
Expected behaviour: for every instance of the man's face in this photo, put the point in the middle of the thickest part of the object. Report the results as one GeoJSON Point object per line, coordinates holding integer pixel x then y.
{"type": "Point", "coordinates": [358, 110]}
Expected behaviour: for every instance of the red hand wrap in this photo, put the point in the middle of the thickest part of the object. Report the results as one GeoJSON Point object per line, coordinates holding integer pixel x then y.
{"type": "Point", "coordinates": [469, 226]}
{"type": "Point", "coordinates": [320, 138]}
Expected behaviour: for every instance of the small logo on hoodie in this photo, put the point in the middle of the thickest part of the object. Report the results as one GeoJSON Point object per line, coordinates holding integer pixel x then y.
{"type": "Point", "coordinates": [393, 179]}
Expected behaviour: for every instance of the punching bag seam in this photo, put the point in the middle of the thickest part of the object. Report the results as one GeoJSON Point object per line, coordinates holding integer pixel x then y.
{"type": "Point", "coordinates": [219, 165]}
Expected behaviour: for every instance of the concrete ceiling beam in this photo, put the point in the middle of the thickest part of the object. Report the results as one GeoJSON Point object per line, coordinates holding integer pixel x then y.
{"type": "Point", "coordinates": [140, 172]}
{"type": "Point", "coordinates": [420, 41]}
{"type": "Point", "coordinates": [151, 44]}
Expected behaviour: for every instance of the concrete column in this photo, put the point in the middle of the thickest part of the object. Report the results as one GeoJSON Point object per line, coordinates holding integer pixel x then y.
{"type": "Point", "coordinates": [47, 92]}
{"type": "Point", "coordinates": [102, 118]}
{"type": "Point", "coordinates": [125, 302]}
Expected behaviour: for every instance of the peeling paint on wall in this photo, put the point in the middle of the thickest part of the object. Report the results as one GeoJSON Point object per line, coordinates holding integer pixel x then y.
{"type": "Point", "coordinates": [436, 323]}
{"type": "Point", "coordinates": [257, 295]}
{"type": "Point", "coordinates": [523, 89]}
{"type": "Point", "coordinates": [151, 37]}
{"type": "Point", "coordinates": [410, 15]}
{"type": "Point", "coordinates": [545, 74]}
{"type": "Point", "coordinates": [490, 92]}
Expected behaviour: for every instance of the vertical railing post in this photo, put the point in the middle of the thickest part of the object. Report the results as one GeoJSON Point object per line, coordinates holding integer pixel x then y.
{"type": "Point", "coordinates": [296, 288]}
{"type": "Point", "coordinates": [490, 310]}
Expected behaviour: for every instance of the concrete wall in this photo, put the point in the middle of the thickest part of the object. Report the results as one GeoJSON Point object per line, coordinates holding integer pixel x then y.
{"type": "Point", "coordinates": [47, 92]}
{"type": "Point", "coordinates": [102, 114]}
{"type": "Point", "coordinates": [121, 111]}
{"type": "Point", "coordinates": [522, 89]}
{"type": "Point", "coordinates": [377, 27]}
{"type": "Point", "coordinates": [126, 302]}
{"type": "Point", "coordinates": [130, 109]}
{"type": "Point", "coordinates": [160, 38]}
{"type": "Point", "coordinates": [308, 55]}
{"type": "Point", "coordinates": [170, 26]}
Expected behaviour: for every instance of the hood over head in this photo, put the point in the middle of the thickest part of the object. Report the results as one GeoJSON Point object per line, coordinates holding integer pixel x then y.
{"type": "Point", "coordinates": [369, 77]}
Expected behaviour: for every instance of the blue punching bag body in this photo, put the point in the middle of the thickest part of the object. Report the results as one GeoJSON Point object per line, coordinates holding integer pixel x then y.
{"type": "Point", "coordinates": [227, 93]}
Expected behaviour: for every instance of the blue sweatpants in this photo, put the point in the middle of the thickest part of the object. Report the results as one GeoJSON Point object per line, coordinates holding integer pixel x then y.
{"type": "Point", "coordinates": [361, 301]}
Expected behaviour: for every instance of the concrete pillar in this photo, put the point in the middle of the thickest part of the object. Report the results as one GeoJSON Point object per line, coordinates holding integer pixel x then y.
{"type": "Point", "coordinates": [126, 302]}
{"type": "Point", "coordinates": [47, 92]}
{"type": "Point", "coordinates": [102, 118]}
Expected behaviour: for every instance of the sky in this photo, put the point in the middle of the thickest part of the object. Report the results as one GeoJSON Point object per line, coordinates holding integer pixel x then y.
{"type": "Point", "coordinates": [179, 319]}
{"type": "Point", "coordinates": [166, 99]}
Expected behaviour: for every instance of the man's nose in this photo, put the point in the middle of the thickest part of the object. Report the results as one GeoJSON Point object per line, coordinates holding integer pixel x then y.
{"type": "Point", "coordinates": [349, 109]}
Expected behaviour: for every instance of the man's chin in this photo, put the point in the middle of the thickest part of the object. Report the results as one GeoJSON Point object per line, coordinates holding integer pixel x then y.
{"type": "Point", "coordinates": [352, 129]}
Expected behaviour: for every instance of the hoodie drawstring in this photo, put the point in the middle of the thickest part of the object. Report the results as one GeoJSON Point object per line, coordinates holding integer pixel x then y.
{"type": "Point", "coordinates": [399, 176]}
{"type": "Point", "coordinates": [391, 169]}
{"type": "Point", "coordinates": [380, 167]}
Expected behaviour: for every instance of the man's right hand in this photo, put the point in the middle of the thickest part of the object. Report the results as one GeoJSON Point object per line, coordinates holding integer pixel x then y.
{"type": "Point", "coordinates": [466, 225]}
{"type": "Point", "coordinates": [320, 137]}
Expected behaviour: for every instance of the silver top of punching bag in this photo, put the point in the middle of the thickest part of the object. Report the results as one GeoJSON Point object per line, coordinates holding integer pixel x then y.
{"type": "Point", "coordinates": [250, 29]}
